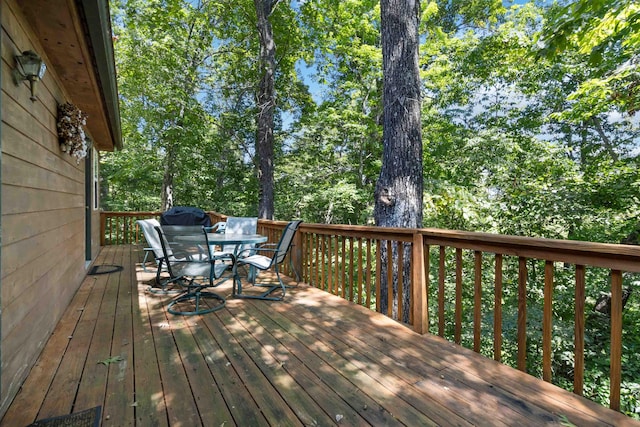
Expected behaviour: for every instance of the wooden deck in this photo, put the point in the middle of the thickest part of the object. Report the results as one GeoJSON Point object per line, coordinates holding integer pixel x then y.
{"type": "Point", "coordinates": [313, 359]}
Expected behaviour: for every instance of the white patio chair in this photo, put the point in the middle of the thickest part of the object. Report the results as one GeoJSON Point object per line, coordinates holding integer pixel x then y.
{"type": "Point", "coordinates": [154, 247]}
{"type": "Point", "coordinates": [240, 225]}
{"type": "Point", "coordinates": [190, 264]}
{"type": "Point", "coordinates": [259, 259]}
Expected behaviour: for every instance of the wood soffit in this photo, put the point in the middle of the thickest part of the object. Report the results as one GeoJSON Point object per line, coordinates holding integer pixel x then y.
{"type": "Point", "coordinates": [63, 30]}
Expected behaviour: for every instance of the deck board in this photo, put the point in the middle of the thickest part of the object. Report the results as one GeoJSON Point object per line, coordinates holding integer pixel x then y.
{"type": "Point", "coordinates": [314, 359]}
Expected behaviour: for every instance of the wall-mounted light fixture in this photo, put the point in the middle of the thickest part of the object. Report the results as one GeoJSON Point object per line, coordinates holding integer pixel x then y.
{"type": "Point", "coordinates": [29, 66]}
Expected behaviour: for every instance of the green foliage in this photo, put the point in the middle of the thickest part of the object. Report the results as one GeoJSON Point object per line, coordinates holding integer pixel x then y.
{"type": "Point", "coordinates": [607, 34]}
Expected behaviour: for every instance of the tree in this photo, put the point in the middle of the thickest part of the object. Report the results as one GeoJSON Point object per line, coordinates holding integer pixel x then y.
{"type": "Point", "coordinates": [607, 32]}
{"type": "Point", "coordinates": [162, 52]}
{"type": "Point", "coordinates": [398, 194]}
{"type": "Point", "coordinates": [266, 103]}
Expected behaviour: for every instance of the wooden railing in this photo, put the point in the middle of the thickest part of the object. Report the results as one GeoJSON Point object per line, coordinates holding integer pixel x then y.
{"type": "Point", "coordinates": [450, 271]}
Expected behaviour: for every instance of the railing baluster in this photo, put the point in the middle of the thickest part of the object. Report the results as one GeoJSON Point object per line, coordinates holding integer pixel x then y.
{"type": "Point", "coordinates": [351, 277]}
{"type": "Point", "coordinates": [378, 274]}
{"type": "Point", "coordinates": [137, 233]}
{"type": "Point", "coordinates": [310, 258]}
{"type": "Point", "coordinates": [420, 288]}
{"type": "Point", "coordinates": [323, 249]}
{"type": "Point", "coordinates": [330, 266]}
{"type": "Point", "coordinates": [400, 296]}
{"type": "Point", "coordinates": [578, 369]}
{"type": "Point", "coordinates": [441, 279]}
{"type": "Point", "coordinates": [522, 314]}
{"type": "Point", "coordinates": [359, 298]}
{"type": "Point", "coordinates": [336, 282]}
{"type": "Point", "coordinates": [368, 274]}
{"type": "Point", "coordinates": [317, 257]}
{"type": "Point", "coordinates": [458, 328]}
{"type": "Point", "coordinates": [616, 339]}
{"type": "Point", "coordinates": [427, 282]}
{"type": "Point", "coordinates": [307, 258]}
{"type": "Point", "coordinates": [389, 279]}
{"type": "Point", "coordinates": [477, 305]}
{"type": "Point", "coordinates": [547, 321]}
{"type": "Point", "coordinates": [343, 269]}
{"type": "Point", "coordinates": [497, 310]}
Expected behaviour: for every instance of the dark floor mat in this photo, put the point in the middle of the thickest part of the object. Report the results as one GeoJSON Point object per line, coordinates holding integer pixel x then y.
{"type": "Point", "coordinates": [104, 269]}
{"type": "Point", "coordinates": [86, 418]}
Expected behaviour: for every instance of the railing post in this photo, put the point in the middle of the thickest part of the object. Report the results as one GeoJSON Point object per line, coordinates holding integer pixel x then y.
{"type": "Point", "coordinates": [616, 340]}
{"type": "Point", "coordinates": [103, 228]}
{"type": "Point", "coordinates": [419, 286]}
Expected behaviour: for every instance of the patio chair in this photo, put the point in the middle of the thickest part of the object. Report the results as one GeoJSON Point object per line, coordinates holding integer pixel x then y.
{"type": "Point", "coordinates": [154, 247]}
{"type": "Point", "coordinates": [258, 260]}
{"type": "Point", "coordinates": [218, 227]}
{"type": "Point", "coordinates": [240, 225]}
{"type": "Point", "coordinates": [193, 268]}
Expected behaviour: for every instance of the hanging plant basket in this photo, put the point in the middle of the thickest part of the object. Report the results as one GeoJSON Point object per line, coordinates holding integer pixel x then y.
{"type": "Point", "coordinates": [70, 131]}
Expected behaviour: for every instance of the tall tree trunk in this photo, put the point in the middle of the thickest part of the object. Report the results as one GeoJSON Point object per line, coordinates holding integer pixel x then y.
{"type": "Point", "coordinates": [398, 194]}
{"type": "Point", "coordinates": [266, 102]}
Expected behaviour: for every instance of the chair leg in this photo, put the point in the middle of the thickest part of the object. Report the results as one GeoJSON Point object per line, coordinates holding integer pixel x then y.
{"type": "Point", "coordinates": [298, 279]}
{"type": "Point", "coordinates": [144, 262]}
{"type": "Point", "coordinates": [196, 299]}
{"type": "Point", "coordinates": [163, 285]}
{"type": "Point", "coordinates": [237, 289]}
{"type": "Point", "coordinates": [195, 296]}
{"type": "Point", "coordinates": [158, 272]}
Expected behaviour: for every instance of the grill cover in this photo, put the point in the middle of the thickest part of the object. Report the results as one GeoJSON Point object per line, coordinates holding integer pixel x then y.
{"type": "Point", "coordinates": [185, 215]}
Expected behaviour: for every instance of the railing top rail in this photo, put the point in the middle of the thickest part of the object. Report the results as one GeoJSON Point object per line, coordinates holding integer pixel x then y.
{"type": "Point", "coordinates": [380, 233]}
{"type": "Point", "coordinates": [606, 255]}
{"type": "Point", "coordinates": [522, 241]}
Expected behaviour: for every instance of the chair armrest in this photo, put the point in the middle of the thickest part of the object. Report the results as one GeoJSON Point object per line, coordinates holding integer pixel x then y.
{"type": "Point", "coordinates": [218, 227]}
{"type": "Point", "coordinates": [223, 256]}
{"type": "Point", "coordinates": [255, 250]}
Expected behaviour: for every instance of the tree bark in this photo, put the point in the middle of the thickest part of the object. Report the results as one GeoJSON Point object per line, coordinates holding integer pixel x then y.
{"type": "Point", "coordinates": [398, 193]}
{"type": "Point", "coordinates": [266, 102]}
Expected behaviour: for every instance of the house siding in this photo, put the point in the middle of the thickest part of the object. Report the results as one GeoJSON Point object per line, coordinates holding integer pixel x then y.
{"type": "Point", "coordinates": [42, 261]}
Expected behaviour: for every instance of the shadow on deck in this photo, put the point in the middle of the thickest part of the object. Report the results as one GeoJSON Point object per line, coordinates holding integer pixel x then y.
{"type": "Point", "coordinates": [313, 359]}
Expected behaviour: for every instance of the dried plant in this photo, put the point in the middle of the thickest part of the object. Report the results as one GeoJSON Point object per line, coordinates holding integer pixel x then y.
{"type": "Point", "coordinates": [72, 138]}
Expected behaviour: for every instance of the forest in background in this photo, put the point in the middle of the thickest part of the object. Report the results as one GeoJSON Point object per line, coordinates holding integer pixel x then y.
{"type": "Point", "coordinates": [515, 141]}
{"type": "Point", "coordinates": [529, 112]}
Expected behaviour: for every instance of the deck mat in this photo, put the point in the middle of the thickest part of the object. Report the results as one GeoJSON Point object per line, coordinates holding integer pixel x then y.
{"type": "Point", "coordinates": [86, 418]}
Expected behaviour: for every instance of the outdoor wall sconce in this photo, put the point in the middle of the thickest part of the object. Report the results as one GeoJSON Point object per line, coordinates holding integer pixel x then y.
{"type": "Point", "coordinates": [29, 67]}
